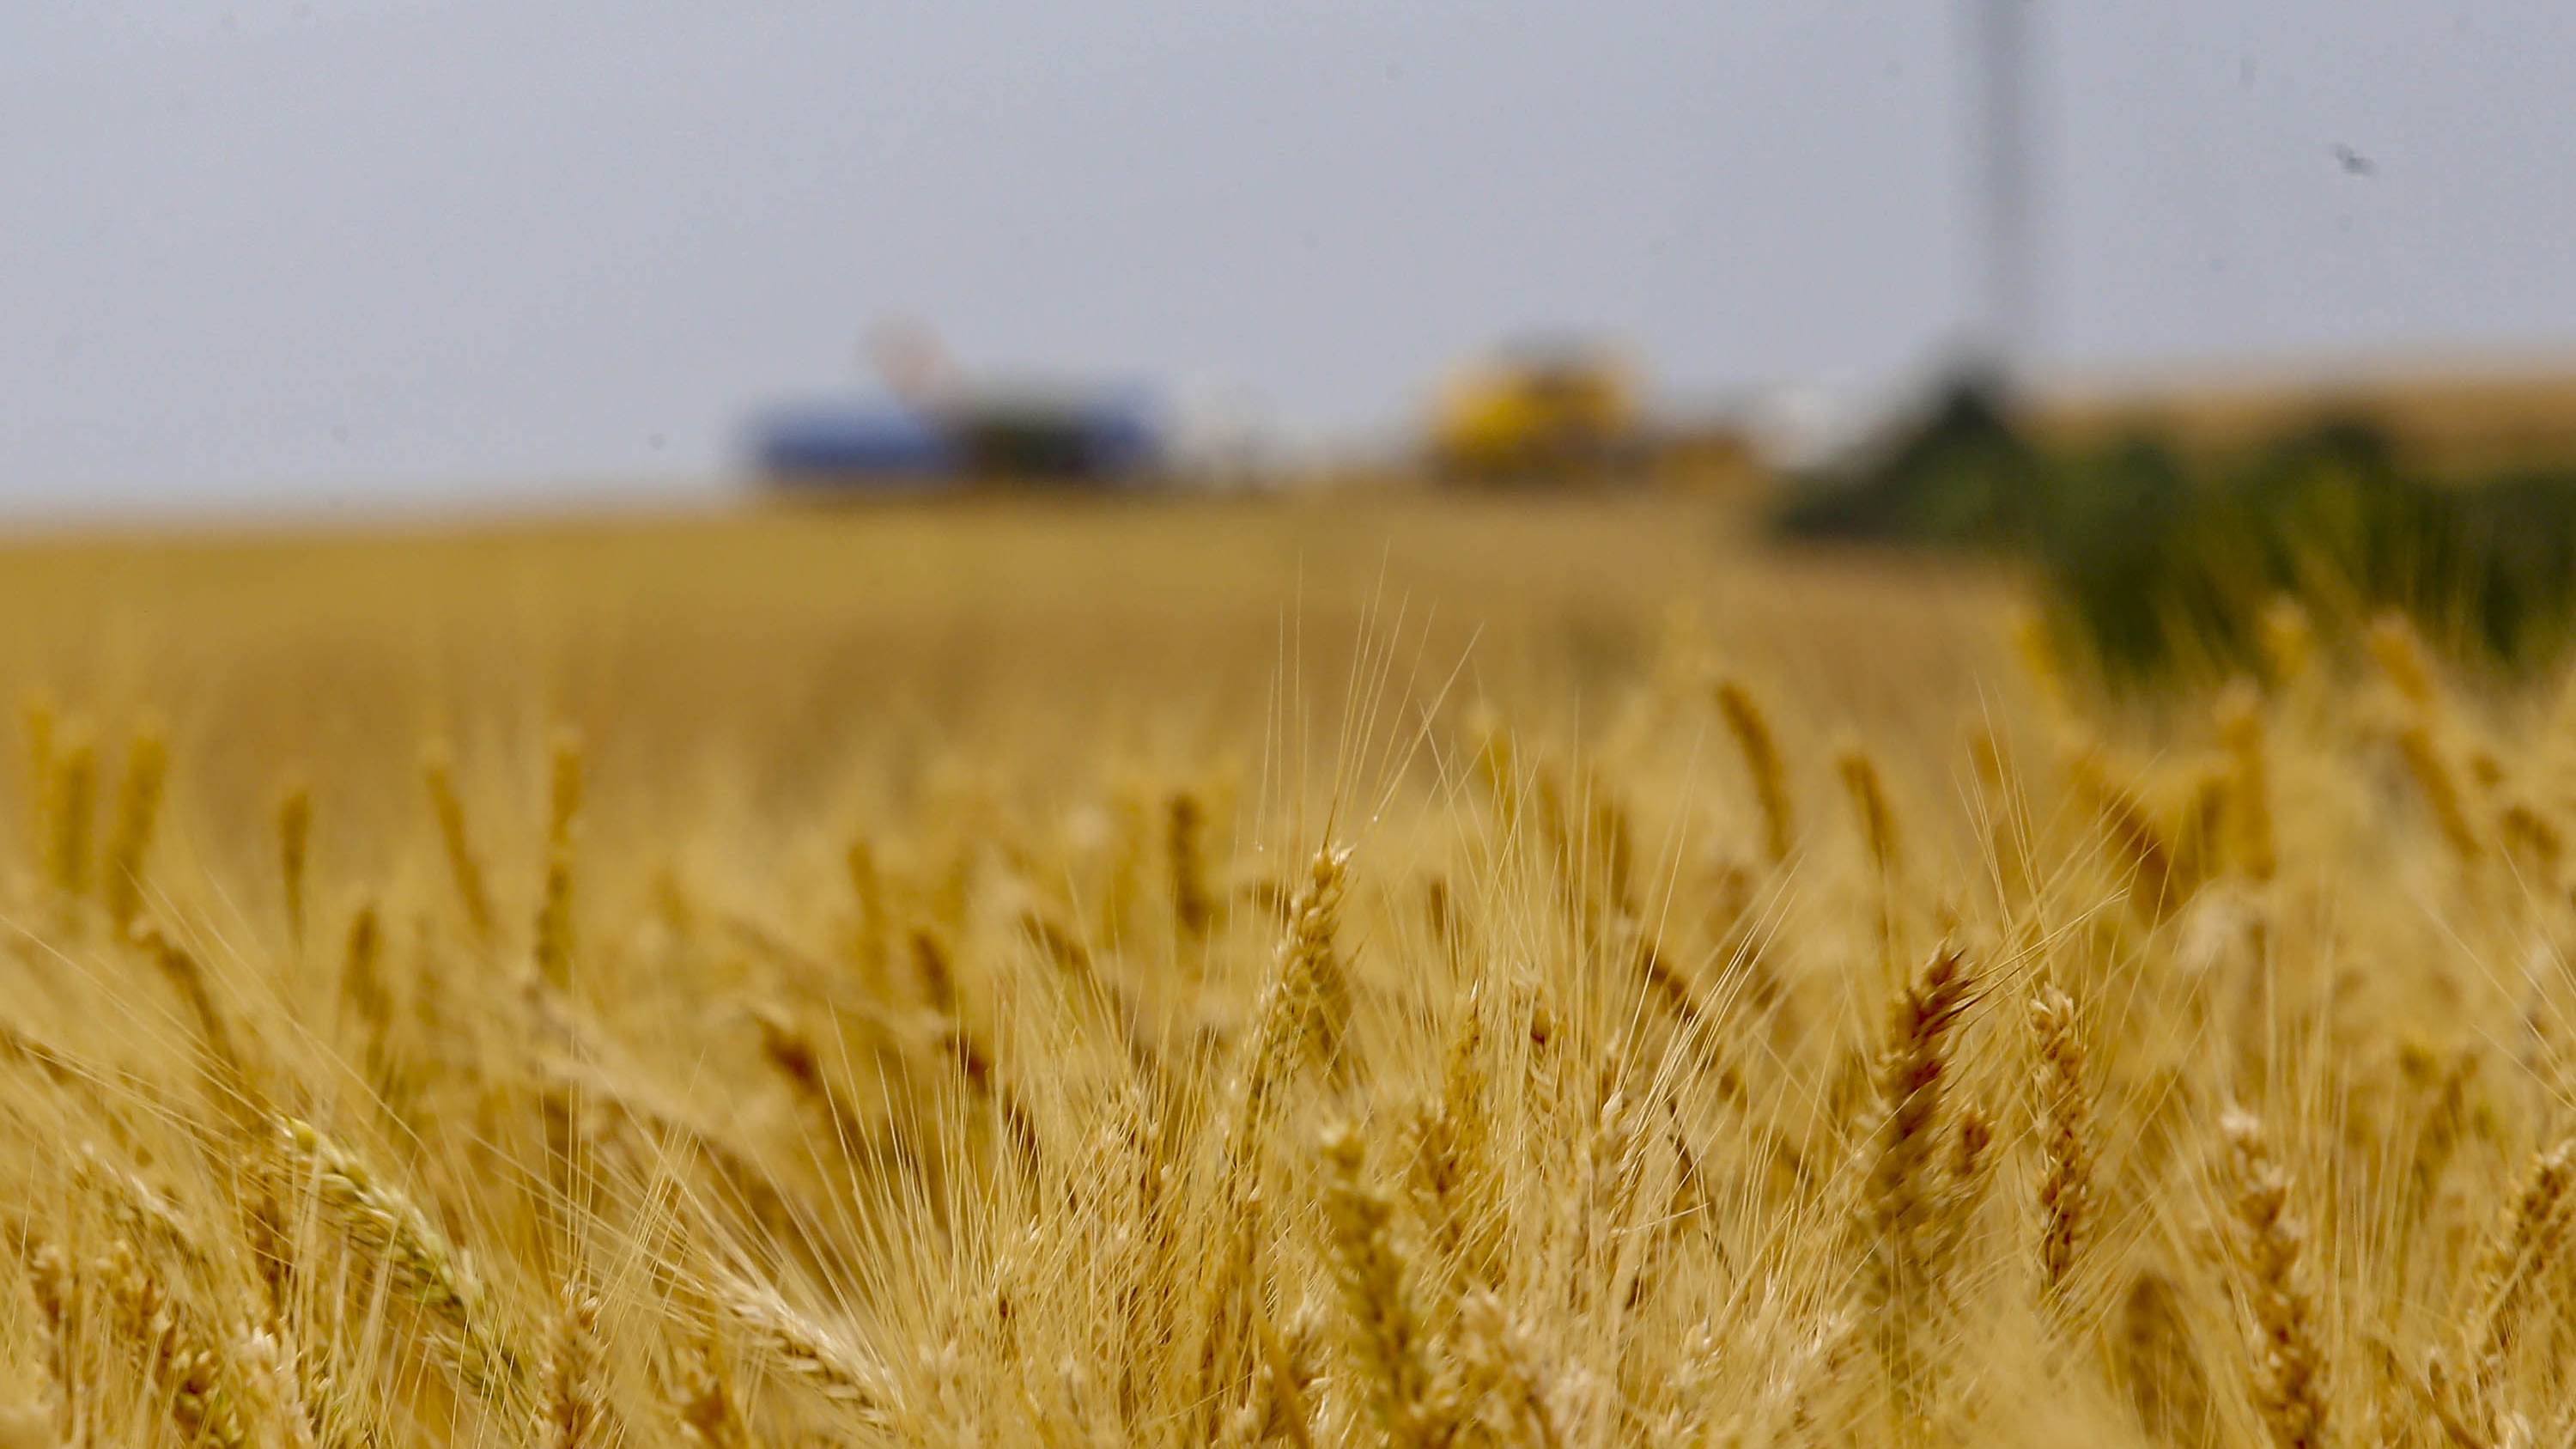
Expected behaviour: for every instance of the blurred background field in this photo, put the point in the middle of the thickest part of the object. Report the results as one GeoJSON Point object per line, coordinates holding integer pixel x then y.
{"type": "Point", "coordinates": [1029, 631]}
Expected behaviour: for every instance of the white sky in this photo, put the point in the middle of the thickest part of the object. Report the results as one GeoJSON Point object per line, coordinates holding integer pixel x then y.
{"type": "Point", "coordinates": [265, 251]}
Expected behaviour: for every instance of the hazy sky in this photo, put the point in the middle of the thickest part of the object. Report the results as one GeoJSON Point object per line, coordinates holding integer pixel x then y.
{"type": "Point", "coordinates": [340, 249]}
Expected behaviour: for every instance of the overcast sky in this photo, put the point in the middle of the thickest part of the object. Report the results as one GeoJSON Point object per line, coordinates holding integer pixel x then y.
{"type": "Point", "coordinates": [262, 250]}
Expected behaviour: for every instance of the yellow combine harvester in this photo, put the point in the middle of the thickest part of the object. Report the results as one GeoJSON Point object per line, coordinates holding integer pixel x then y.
{"type": "Point", "coordinates": [1539, 414]}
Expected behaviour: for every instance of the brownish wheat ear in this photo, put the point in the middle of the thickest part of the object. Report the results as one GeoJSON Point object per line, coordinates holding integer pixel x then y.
{"type": "Point", "coordinates": [1903, 1152]}
{"type": "Point", "coordinates": [1193, 906]}
{"type": "Point", "coordinates": [1911, 1199]}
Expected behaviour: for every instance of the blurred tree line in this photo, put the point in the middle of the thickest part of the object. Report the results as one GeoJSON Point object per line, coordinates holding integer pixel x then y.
{"type": "Point", "coordinates": [2156, 565]}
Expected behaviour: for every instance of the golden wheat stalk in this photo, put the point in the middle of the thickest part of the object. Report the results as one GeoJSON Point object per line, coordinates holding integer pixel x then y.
{"type": "Point", "coordinates": [2289, 642]}
{"type": "Point", "coordinates": [71, 803]}
{"type": "Point", "coordinates": [1375, 1282]}
{"type": "Point", "coordinates": [705, 1400]}
{"type": "Point", "coordinates": [38, 718]}
{"type": "Point", "coordinates": [2035, 650]}
{"type": "Point", "coordinates": [1297, 1011]}
{"type": "Point", "coordinates": [141, 1211]}
{"type": "Point", "coordinates": [2146, 856]}
{"type": "Point", "coordinates": [138, 812]}
{"type": "Point", "coordinates": [575, 1413]}
{"type": "Point", "coordinates": [2000, 806]}
{"type": "Point", "coordinates": [2157, 1363]}
{"type": "Point", "coordinates": [294, 826]}
{"type": "Point", "coordinates": [2286, 1364]}
{"type": "Point", "coordinates": [438, 776]}
{"type": "Point", "coordinates": [2520, 1254]}
{"type": "Point", "coordinates": [1760, 748]}
{"type": "Point", "coordinates": [57, 1294]}
{"type": "Point", "coordinates": [1450, 1178]}
{"type": "Point", "coordinates": [2065, 1146]}
{"type": "Point", "coordinates": [1185, 826]}
{"type": "Point", "coordinates": [2249, 784]}
{"type": "Point", "coordinates": [231, 1082]}
{"type": "Point", "coordinates": [2431, 770]}
{"type": "Point", "coordinates": [201, 1388]}
{"type": "Point", "coordinates": [388, 1224]}
{"type": "Point", "coordinates": [1502, 1370]}
{"type": "Point", "coordinates": [555, 940]}
{"type": "Point", "coordinates": [1279, 1404]}
{"type": "Point", "coordinates": [1288, 1017]}
{"type": "Point", "coordinates": [870, 929]}
{"type": "Point", "coordinates": [806, 1350]}
{"type": "Point", "coordinates": [1870, 807]}
{"type": "Point", "coordinates": [362, 981]}
{"type": "Point", "coordinates": [2399, 652]}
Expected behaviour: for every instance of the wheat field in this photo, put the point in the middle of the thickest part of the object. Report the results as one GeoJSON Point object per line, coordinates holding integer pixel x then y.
{"type": "Point", "coordinates": [1351, 971]}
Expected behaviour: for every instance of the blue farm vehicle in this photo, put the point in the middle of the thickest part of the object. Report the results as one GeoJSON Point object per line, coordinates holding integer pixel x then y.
{"type": "Point", "coordinates": [1084, 439]}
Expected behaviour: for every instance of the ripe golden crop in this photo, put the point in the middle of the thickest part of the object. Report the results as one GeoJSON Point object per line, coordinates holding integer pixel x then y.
{"type": "Point", "coordinates": [1499, 973]}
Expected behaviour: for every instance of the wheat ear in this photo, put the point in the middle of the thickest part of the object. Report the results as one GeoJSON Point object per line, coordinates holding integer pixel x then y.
{"type": "Point", "coordinates": [555, 940]}
{"type": "Point", "coordinates": [294, 823]}
{"type": "Point", "coordinates": [2522, 1249]}
{"type": "Point", "coordinates": [382, 1219]}
{"type": "Point", "coordinates": [438, 776]}
{"type": "Point", "coordinates": [2285, 1364]}
{"type": "Point", "coordinates": [574, 1415]}
{"type": "Point", "coordinates": [806, 1350]}
{"type": "Point", "coordinates": [2066, 1160]}
{"type": "Point", "coordinates": [73, 799]}
{"type": "Point", "coordinates": [1185, 822]}
{"type": "Point", "coordinates": [138, 812]}
{"type": "Point", "coordinates": [1374, 1279]}
{"type": "Point", "coordinates": [2249, 795]}
{"type": "Point", "coordinates": [1760, 748]}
